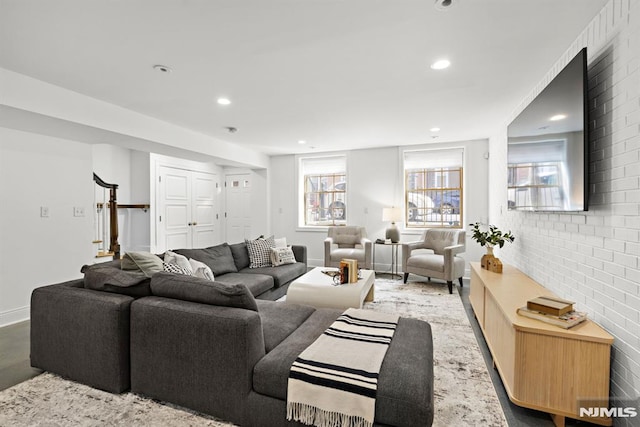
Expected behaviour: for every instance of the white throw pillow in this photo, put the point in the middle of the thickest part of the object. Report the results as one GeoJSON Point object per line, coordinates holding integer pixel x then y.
{"type": "Point", "coordinates": [281, 242]}
{"type": "Point", "coordinates": [180, 260]}
{"type": "Point", "coordinates": [281, 256]}
{"type": "Point", "coordinates": [200, 269]}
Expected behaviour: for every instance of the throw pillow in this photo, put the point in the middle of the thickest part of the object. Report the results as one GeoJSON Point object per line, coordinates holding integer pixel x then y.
{"type": "Point", "coordinates": [203, 291]}
{"type": "Point", "coordinates": [280, 242]}
{"type": "Point", "coordinates": [181, 260]}
{"type": "Point", "coordinates": [146, 262]}
{"type": "Point", "coordinates": [101, 277]}
{"type": "Point", "coordinates": [281, 256]}
{"type": "Point", "coordinates": [200, 269]}
{"type": "Point", "coordinates": [176, 269]}
{"type": "Point", "coordinates": [260, 251]}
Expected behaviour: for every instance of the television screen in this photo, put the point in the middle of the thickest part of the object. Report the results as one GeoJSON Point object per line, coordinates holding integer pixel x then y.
{"type": "Point", "coordinates": [548, 146]}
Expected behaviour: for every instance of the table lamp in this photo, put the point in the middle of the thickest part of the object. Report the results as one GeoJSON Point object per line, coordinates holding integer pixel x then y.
{"type": "Point", "coordinates": [393, 215]}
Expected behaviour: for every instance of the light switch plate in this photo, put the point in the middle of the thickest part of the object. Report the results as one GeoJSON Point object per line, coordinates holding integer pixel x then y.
{"type": "Point", "coordinates": [44, 211]}
{"type": "Point", "coordinates": [78, 211]}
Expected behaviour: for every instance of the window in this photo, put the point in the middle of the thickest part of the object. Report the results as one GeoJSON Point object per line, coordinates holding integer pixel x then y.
{"type": "Point", "coordinates": [433, 188]}
{"type": "Point", "coordinates": [324, 190]}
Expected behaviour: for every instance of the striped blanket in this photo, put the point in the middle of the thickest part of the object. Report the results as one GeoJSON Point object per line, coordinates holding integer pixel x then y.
{"type": "Point", "coordinates": [334, 381]}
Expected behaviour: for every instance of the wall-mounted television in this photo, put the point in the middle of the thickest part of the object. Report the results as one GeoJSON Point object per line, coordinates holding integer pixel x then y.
{"type": "Point", "coordinates": [548, 146]}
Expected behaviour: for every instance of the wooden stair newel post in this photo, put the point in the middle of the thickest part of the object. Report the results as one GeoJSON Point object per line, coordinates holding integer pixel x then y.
{"type": "Point", "coordinates": [114, 246]}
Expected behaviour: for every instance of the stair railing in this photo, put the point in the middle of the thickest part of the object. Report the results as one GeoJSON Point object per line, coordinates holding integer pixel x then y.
{"type": "Point", "coordinates": [114, 246]}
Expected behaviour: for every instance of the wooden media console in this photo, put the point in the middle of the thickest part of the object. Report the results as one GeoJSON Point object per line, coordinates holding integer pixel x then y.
{"type": "Point", "coordinates": [543, 367]}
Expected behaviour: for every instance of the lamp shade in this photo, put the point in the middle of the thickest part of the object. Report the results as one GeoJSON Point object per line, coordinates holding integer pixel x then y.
{"type": "Point", "coordinates": [391, 214]}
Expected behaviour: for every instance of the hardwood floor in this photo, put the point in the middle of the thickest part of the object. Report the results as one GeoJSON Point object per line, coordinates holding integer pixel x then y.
{"type": "Point", "coordinates": [14, 355]}
{"type": "Point", "coordinates": [15, 367]}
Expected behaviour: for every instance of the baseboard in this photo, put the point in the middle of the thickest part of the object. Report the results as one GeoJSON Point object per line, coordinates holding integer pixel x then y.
{"type": "Point", "coordinates": [14, 316]}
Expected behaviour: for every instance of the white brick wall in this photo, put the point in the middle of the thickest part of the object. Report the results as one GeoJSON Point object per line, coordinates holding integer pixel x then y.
{"type": "Point", "coordinates": [593, 257]}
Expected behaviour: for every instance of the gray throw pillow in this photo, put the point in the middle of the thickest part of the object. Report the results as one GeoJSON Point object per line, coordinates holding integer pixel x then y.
{"type": "Point", "coordinates": [195, 289]}
{"type": "Point", "coordinates": [113, 279]}
{"type": "Point", "coordinates": [146, 262]}
{"type": "Point", "coordinates": [218, 258]}
{"type": "Point", "coordinates": [240, 255]}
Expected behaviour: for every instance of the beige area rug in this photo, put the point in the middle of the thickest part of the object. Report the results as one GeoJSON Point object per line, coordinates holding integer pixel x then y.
{"type": "Point", "coordinates": [464, 394]}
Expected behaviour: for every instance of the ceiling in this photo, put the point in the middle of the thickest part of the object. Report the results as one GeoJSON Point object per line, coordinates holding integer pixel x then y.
{"type": "Point", "coordinates": [335, 73]}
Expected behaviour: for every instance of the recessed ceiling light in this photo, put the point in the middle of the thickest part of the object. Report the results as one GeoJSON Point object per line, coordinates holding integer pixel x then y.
{"type": "Point", "coordinates": [302, 141]}
{"type": "Point", "coordinates": [162, 68]}
{"type": "Point", "coordinates": [224, 101]}
{"type": "Point", "coordinates": [558, 117]}
{"type": "Point", "coordinates": [441, 64]}
{"type": "Point", "coordinates": [436, 129]}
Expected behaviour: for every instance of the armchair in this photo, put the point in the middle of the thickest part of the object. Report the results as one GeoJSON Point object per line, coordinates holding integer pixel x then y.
{"type": "Point", "coordinates": [441, 261]}
{"type": "Point", "coordinates": [348, 242]}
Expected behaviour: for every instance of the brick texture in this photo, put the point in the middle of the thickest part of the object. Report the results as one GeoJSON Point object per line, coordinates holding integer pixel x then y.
{"type": "Point", "coordinates": [593, 257]}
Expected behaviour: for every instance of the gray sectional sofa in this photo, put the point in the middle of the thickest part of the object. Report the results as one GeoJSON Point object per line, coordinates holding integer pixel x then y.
{"type": "Point", "coordinates": [212, 346]}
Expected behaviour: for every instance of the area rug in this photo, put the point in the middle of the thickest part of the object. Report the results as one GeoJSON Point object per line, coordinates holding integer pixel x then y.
{"type": "Point", "coordinates": [464, 394]}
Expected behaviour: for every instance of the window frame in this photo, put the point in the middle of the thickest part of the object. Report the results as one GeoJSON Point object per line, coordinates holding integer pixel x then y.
{"type": "Point", "coordinates": [425, 195]}
{"type": "Point", "coordinates": [328, 193]}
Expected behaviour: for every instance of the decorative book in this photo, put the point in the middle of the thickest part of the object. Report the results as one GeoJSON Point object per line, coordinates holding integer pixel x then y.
{"type": "Point", "coordinates": [349, 270]}
{"type": "Point", "coordinates": [566, 321]}
{"type": "Point", "coordinates": [550, 305]}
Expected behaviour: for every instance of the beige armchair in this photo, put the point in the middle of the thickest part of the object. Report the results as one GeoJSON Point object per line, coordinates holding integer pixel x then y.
{"type": "Point", "coordinates": [348, 242]}
{"type": "Point", "coordinates": [436, 255]}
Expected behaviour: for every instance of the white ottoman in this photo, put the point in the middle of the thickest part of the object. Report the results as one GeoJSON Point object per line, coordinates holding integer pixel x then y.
{"type": "Point", "coordinates": [317, 289]}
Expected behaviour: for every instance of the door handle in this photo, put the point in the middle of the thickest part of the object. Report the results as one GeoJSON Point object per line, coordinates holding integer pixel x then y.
{"type": "Point", "coordinates": [192, 223]}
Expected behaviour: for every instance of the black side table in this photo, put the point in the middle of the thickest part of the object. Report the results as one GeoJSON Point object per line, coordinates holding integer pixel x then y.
{"type": "Point", "coordinates": [394, 256]}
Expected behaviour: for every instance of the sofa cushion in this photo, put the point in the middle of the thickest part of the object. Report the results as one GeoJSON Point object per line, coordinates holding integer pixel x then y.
{"type": "Point", "coordinates": [282, 274]}
{"type": "Point", "coordinates": [427, 261]}
{"type": "Point", "coordinates": [195, 289]}
{"type": "Point", "coordinates": [279, 320]}
{"type": "Point", "coordinates": [108, 278]}
{"type": "Point", "coordinates": [146, 262]}
{"type": "Point", "coordinates": [240, 255]}
{"type": "Point", "coordinates": [271, 373]}
{"type": "Point", "coordinates": [218, 258]}
{"type": "Point", "coordinates": [256, 283]}
{"type": "Point", "coordinates": [259, 251]}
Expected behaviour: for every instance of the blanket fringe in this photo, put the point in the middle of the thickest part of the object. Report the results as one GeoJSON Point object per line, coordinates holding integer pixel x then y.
{"type": "Point", "coordinates": [312, 416]}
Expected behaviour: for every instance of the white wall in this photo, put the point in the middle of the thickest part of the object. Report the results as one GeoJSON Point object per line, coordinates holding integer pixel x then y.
{"type": "Point", "coordinates": [35, 171]}
{"type": "Point", "coordinates": [375, 180]}
{"type": "Point", "coordinates": [593, 257]}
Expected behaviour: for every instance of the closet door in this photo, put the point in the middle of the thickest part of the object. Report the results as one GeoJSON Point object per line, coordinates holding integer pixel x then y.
{"type": "Point", "coordinates": [203, 191]}
{"type": "Point", "coordinates": [186, 206]}
{"type": "Point", "coordinates": [174, 222]}
{"type": "Point", "coordinates": [238, 207]}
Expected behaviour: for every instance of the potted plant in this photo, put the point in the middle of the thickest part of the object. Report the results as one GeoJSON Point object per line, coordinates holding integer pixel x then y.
{"type": "Point", "coordinates": [490, 238]}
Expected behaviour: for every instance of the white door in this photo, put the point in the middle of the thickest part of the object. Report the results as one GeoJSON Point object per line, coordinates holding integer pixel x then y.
{"type": "Point", "coordinates": [203, 190]}
{"type": "Point", "coordinates": [186, 206]}
{"type": "Point", "coordinates": [174, 229]}
{"type": "Point", "coordinates": [238, 207]}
